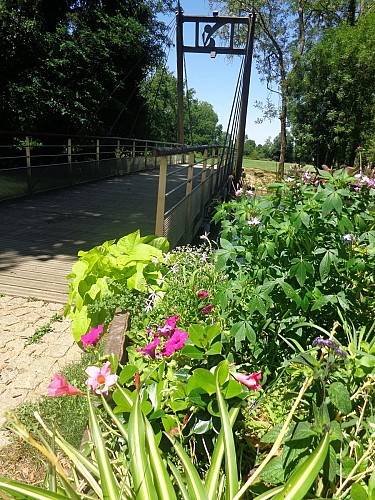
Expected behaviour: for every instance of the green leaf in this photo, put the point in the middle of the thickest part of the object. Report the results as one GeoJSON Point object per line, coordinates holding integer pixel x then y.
{"type": "Point", "coordinates": [109, 485]}
{"type": "Point", "coordinates": [340, 397]}
{"type": "Point", "coordinates": [231, 389]}
{"type": "Point", "coordinates": [194, 482]}
{"type": "Point", "coordinates": [202, 379]}
{"type": "Point", "coordinates": [256, 303]}
{"type": "Point", "coordinates": [163, 483]}
{"type": "Point", "coordinates": [302, 478]}
{"type": "Point", "coordinates": [231, 473]}
{"type": "Point", "coordinates": [242, 330]}
{"type": "Point", "coordinates": [215, 349]}
{"type": "Point", "coordinates": [127, 373]}
{"type": "Point", "coordinates": [139, 461]}
{"type": "Point", "coordinates": [213, 473]}
{"type": "Point", "coordinates": [22, 491]}
{"type": "Point", "coordinates": [192, 352]}
{"type": "Point", "coordinates": [357, 492]}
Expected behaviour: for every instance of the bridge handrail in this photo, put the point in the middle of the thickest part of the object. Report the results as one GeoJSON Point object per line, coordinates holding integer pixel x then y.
{"type": "Point", "coordinates": [181, 221]}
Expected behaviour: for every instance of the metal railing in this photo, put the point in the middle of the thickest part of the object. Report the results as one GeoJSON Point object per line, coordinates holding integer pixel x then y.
{"type": "Point", "coordinates": [181, 207]}
{"type": "Point", "coordinates": [31, 164]}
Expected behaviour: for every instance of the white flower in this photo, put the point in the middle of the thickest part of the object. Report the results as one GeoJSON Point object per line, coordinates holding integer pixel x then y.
{"type": "Point", "coordinates": [254, 221]}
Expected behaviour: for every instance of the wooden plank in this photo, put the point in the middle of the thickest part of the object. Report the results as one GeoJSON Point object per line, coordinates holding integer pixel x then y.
{"type": "Point", "coordinates": [41, 235]}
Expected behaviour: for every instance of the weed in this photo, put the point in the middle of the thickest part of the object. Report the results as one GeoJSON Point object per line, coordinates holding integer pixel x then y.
{"type": "Point", "coordinates": [40, 332]}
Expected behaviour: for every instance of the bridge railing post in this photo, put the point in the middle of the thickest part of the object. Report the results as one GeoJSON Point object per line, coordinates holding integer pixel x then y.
{"type": "Point", "coordinates": [212, 173]}
{"type": "Point", "coordinates": [189, 187]}
{"type": "Point", "coordinates": [133, 155]}
{"type": "Point", "coordinates": [69, 151]}
{"type": "Point", "coordinates": [145, 153]}
{"type": "Point", "coordinates": [203, 180]}
{"type": "Point", "coordinates": [160, 208]}
{"type": "Point", "coordinates": [28, 164]}
{"type": "Point", "coordinates": [118, 155]}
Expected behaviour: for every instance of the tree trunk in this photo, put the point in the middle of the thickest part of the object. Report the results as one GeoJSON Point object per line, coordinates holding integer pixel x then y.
{"type": "Point", "coordinates": [283, 111]}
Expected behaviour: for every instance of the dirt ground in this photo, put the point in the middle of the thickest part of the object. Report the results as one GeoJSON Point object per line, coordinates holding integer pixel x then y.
{"type": "Point", "coordinates": [260, 179]}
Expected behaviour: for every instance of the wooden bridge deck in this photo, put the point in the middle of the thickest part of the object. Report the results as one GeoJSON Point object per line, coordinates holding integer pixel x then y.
{"type": "Point", "coordinates": [41, 235]}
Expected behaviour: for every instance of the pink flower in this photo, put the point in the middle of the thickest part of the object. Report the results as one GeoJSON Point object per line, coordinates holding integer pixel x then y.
{"type": "Point", "coordinates": [207, 309]}
{"type": "Point", "coordinates": [100, 379]}
{"type": "Point", "coordinates": [92, 337]}
{"type": "Point", "coordinates": [202, 294]}
{"type": "Point", "coordinates": [150, 349]}
{"type": "Point", "coordinates": [169, 327]}
{"type": "Point", "coordinates": [251, 381]}
{"type": "Point", "coordinates": [176, 342]}
{"type": "Point", "coordinates": [174, 432]}
{"type": "Point", "coordinates": [60, 386]}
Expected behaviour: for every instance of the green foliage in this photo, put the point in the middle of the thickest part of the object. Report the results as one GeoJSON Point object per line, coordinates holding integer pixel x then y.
{"type": "Point", "coordinates": [134, 261]}
{"type": "Point", "coordinates": [295, 257]}
{"type": "Point", "coordinates": [150, 476]}
{"type": "Point", "coordinates": [332, 99]}
{"type": "Point", "coordinates": [76, 65]}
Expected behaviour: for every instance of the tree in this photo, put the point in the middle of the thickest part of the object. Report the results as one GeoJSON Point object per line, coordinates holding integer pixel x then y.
{"type": "Point", "coordinates": [332, 94]}
{"type": "Point", "coordinates": [76, 66]}
{"type": "Point", "coordinates": [160, 93]}
{"type": "Point", "coordinates": [249, 146]}
{"type": "Point", "coordinates": [287, 29]}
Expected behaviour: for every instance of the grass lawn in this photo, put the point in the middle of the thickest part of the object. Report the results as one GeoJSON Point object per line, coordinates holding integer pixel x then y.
{"type": "Point", "coordinates": [268, 165]}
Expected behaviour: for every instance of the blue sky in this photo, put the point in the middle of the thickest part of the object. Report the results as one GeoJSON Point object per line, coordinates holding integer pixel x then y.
{"type": "Point", "coordinates": [214, 80]}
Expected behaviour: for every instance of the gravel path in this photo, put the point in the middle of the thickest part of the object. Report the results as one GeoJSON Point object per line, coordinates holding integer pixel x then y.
{"type": "Point", "coordinates": [26, 370]}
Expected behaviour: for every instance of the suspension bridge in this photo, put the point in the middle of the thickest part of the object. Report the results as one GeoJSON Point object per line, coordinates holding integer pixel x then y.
{"type": "Point", "coordinates": [60, 194]}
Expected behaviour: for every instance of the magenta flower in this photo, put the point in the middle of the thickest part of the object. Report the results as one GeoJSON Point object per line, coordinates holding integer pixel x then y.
{"type": "Point", "coordinates": [175, 343]}
{"type": "Point", "coordinates": [92, 337]}
{"type": "Point", "coordinates": [60, 386]}
{"type": "Point", "coordinates": [150, 349]}
{"type": "Point", "coordinates": [100, 379]}
{"type": "Point", "coordinates": [251, 381]}
{"type": "Point", "coordinates": [202, 294]}
{"type": "Point", "coordinates": [207, 309]}
{"type": "Point", "coordinates": [169, 327]}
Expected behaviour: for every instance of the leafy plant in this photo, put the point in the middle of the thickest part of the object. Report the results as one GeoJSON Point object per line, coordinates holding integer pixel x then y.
{"type": "Point", "coordinates": [134, 261]}
{"type": "Point", "coordinates": [298, 255]}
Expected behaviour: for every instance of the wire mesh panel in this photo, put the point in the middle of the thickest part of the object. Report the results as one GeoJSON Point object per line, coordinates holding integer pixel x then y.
{"type": "Point", "coordinates": [196, 202]}
{"type": "Point", "coordinates": [175, 223]}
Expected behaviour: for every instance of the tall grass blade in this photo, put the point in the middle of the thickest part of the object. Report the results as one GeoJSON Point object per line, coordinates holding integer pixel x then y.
{"type": "Point", "coordinates": [110, 488]}
{"type": "Point", "coordinates": [139, 462]}
{"type": "Point", "coordinates": [230, 449]}
{"type": "Point", "coordinates": [163, 483]}
{"type": "Point", "coordinates": [194, 482]}
{"type": "Point", "coordinates": [213, 475]}
{"type": "Point", "coordinates": [22, 491]}
{"type": "Point", "coordinates": [179, 480]}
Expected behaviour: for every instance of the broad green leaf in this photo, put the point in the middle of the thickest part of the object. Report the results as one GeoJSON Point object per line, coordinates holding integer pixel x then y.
{"type": "Point", "coordinates": [357, 492]}
{"type": "Point", "coordinates": [340, 397]}
{"type": "Point", "coordinates": [202, 379]}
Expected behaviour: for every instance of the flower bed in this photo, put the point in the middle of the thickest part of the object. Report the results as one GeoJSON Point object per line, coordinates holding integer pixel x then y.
{"type": "Point", "coordinates": [250, 361]}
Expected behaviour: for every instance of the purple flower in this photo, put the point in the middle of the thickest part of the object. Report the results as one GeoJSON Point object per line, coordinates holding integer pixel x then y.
{"type": "Point", "coordinates": [202, 294]}
{"type": "Point", "coordinates": [150, 349]}
{"type": "Point", "coordinates": [329, 343]}
{"type": "Point", "coordinates": [207, 309]}
{"type": "Point", "coordinates": [92, 337]}
{"type": "Point", "coordinates": [176, 342]}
